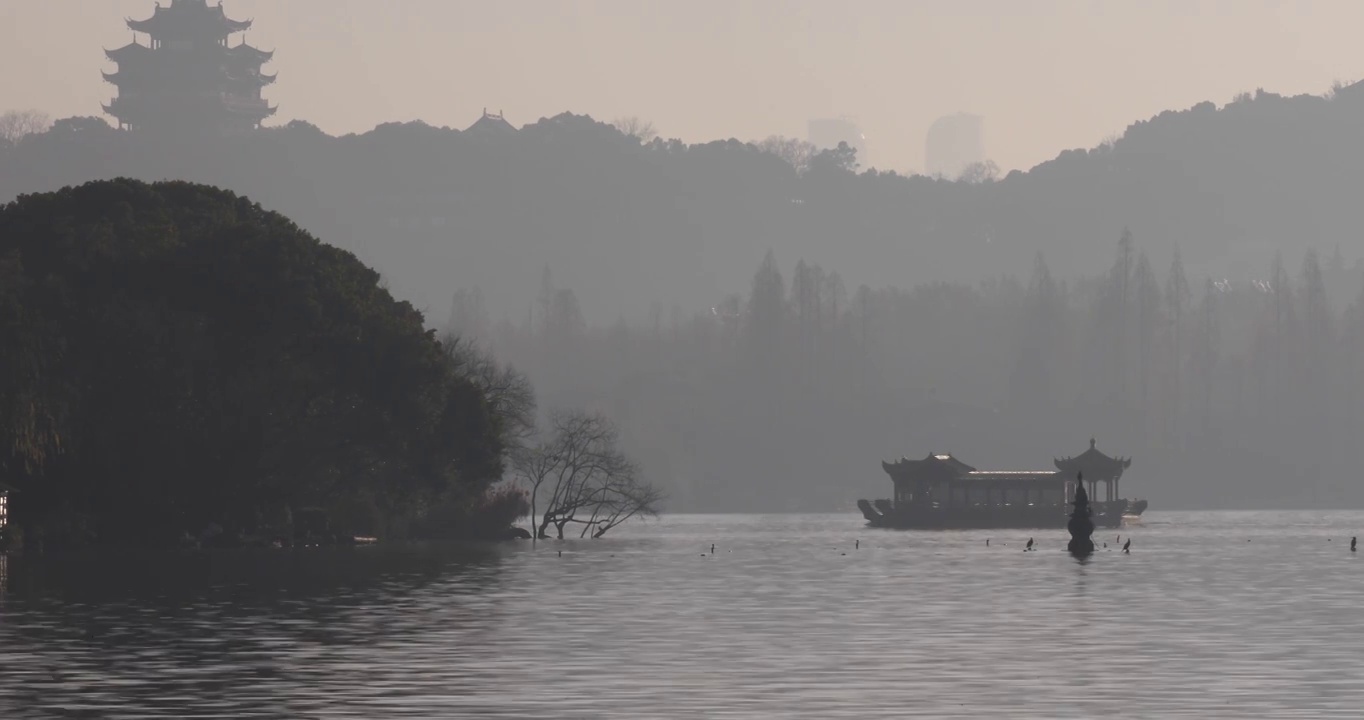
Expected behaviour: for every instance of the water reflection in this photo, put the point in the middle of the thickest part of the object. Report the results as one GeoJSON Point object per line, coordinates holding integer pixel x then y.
{"type": "Point", "coordinates": [234, 633]}
{"type": "Point", "coordinates": [828, 621]}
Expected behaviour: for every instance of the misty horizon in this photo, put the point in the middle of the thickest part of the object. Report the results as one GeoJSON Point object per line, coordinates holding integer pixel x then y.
{"type": "Point", "coordinates": [342, 66]}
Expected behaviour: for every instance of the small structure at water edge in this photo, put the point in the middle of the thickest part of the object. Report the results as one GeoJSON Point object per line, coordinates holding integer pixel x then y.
{"type": "Point", "coordinates": [942, 492]}
{"type": "Point", "coordinates": [1081, 524]}
{"type": "Point", "coordinates": [5, 491]}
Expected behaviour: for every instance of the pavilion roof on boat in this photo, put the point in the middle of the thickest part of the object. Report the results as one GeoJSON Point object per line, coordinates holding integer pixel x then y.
{"type": "Point", "coordinates": [1095, 465]}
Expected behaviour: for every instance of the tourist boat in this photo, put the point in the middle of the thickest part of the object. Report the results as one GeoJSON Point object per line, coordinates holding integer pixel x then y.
{"type": "Point", "coordinates": [942, 492]}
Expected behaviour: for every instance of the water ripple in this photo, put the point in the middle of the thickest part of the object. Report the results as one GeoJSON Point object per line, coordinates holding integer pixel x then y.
{"type": "Point", "coordinates": [1213, 615]}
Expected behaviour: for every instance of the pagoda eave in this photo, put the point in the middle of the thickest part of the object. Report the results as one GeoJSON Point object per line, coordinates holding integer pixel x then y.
{"type": "Point", "coordinates": [259, 113]}
{"type": "Point", "coordinates": [247, 52]}
{"type": "Point", "coordinates": [168, 19]}
{"type": "Point", "coordinates": [127, 52]}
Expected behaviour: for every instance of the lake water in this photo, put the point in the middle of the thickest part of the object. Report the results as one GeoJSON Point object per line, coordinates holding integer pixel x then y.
{"type": "Point", "coordinates": [1212, 615]}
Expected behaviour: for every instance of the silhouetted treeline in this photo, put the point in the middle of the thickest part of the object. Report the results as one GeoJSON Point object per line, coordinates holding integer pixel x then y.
{"type": "Point", "coordinates": [628, 223]}
{"type": "Point", "coordinates": [181, 366]}
{"type": "Point", "coordinates": [1227, 394]}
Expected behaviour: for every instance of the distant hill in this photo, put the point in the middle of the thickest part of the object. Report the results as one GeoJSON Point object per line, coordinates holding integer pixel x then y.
{"type": "Point", "coordinates": [628, 224]}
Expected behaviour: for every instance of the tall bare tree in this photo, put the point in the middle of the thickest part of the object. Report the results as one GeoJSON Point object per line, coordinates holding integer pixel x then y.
{"type": "Point", "coordinates": [506, 390]}
{"type": "Point", "coordinates": [588, 481]}
{"type": "Point", "coordinates": [795, 152]}
{"type": "Point", "coordinates": [637, 128]}
{"type": "Point", "coordinates": [15, 124]}
{"type": "Point", "coordinates": [1178, 297]}
{"type": "Point", "coordinates": [979, 173]}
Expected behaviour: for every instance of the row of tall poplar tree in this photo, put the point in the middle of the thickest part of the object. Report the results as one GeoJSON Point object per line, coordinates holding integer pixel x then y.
{"type": "Point", "coordinates": [1227, 392]}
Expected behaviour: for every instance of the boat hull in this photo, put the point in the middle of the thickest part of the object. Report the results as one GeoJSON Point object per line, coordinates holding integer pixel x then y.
{"type": "Point", "coordinates": [919, 517]}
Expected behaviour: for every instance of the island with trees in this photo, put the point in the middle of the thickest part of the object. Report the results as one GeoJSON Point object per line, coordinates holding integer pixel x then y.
{"type": "Point", "coordinates": [185, 368]}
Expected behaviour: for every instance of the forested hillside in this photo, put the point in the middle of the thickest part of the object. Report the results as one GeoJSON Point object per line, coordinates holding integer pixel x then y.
{"type": "Point", "coordinates": [628, 223]}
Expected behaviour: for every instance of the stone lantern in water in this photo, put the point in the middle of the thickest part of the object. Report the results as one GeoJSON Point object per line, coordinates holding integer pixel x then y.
{"type": "Point", "coordinates": [1081, 523]}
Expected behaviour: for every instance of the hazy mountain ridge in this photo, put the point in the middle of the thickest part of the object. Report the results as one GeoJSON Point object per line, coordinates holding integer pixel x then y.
{"type": "Point", "coordinates": [630, 223]}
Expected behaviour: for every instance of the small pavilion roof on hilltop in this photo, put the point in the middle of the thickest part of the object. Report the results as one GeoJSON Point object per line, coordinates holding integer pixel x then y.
{"type": "Point", "coordinates": [1095, 465]}
{"type": "Point", "coordinates": [196, 15]}
{"type": "Point", "coordinates": [493, 122]}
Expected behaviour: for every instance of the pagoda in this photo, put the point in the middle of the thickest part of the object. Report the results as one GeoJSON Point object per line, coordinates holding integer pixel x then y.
{"type": "Point", "coordinates": [189, 77]}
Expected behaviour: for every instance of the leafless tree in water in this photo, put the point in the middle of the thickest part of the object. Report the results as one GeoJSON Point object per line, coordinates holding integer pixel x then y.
{"type": "Point", "coordinates": [589, 481]}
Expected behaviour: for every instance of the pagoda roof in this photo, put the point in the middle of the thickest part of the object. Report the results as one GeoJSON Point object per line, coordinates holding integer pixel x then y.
{"type": "Point", "coordinates": [1012, 475]}
{"type": "Point", "coordinates": [491, 121]}
{"type": "Point", "coordinates": [195, 15]}
{"type": "Point", "coordinates": [1094, 463]}
{"type": "Point", "coordinates": [244, 51]}
{"type": "Point", "coordinates": [248, 107]}
{"type": "Point", "coordinates": [261, 79]}
{"type": "Point", "coordinates": [934, 462]}
{"type": "Point", "coordinates": [127, 52]}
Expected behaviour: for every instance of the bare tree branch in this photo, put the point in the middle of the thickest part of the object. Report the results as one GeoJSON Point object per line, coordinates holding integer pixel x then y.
{"type": "Point", "coordinates": [15, 124]}
{"type": "Point", "coordinates": [641, 130]}
{"type": "Point", "coordinates": [797, 153]}
{"type": "Point", "coordinates": [508, 393]}
{"type": "Point", "coordinates": [589, 480]}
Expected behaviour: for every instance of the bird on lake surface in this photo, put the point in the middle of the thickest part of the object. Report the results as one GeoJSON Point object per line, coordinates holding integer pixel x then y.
{"type": "Point", "coordinates": [1352, 543]}
{"type": "Point", "coordinates": [1127, 546]}
{"type": "Point", "coordinates": [1029, 544]}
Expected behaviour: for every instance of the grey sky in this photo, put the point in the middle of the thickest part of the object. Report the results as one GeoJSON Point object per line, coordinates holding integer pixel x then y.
{"type": "Point", "coordinates": [1046, 75]}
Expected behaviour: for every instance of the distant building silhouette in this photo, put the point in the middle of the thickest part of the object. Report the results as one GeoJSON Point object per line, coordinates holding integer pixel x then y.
{"type": "Point", "coordinates": [188, 77]}
{"type": "Point", "coordinates": [954, 142]}
{"type": "Point", "coordinates": [827, 133]}
{"type": "Point", "coordinates": [490, 123]}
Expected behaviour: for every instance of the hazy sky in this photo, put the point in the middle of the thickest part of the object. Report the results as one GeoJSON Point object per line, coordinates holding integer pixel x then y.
{"type": "Point", "coordinates": [1047, 74]}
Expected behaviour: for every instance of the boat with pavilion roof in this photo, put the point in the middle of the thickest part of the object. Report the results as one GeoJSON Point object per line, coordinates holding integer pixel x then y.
{"type": "Point", "coordinates": [942, 492]}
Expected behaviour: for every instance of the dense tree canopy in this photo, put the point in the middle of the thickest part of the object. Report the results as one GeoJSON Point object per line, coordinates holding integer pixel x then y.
{"type": "Point", "coordinates": [179, 360]}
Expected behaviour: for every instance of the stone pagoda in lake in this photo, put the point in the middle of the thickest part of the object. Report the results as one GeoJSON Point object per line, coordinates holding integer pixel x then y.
{"type": "Point", "coordinates": [189, 76]}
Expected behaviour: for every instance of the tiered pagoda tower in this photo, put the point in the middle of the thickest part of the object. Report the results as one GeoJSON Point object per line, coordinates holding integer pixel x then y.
{"type": "Point", "coordinates": [189, 77]}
